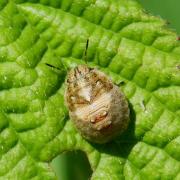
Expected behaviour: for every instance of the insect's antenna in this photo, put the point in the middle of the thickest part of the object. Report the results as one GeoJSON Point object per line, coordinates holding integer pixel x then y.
{"type": "Point", "coordinates": [98, 62]}
{"type": "Point", "coordinates": [52, 66]}
{"type": "Point", "coordinates": [85, 52]}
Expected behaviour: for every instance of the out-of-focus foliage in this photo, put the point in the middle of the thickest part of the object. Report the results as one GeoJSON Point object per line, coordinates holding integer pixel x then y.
{"type": "Point", "coordinates": [167, 9]}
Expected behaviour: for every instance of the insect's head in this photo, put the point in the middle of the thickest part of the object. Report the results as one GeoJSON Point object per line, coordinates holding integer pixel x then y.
{"type": "Point", "coordinates": [79, 73]}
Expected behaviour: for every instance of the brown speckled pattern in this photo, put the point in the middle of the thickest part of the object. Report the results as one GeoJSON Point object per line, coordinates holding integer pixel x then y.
{"type": "Point", "coordinates": [97, 106]}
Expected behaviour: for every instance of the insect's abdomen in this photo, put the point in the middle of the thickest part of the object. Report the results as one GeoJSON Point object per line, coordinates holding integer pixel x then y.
{"type": "Point", "coordinates": [100, 111]}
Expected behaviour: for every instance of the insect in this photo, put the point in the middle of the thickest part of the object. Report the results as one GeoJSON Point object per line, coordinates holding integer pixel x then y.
{"type": "Point", "coordinates": [97, 107]}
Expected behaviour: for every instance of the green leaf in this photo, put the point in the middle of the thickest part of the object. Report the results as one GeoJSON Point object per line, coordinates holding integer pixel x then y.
{"type": "Point", "coordinates": [131, 46]}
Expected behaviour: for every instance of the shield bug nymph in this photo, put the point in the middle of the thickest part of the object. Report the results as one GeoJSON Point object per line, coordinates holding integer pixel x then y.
{"type": "Point", "coordinates": [97, 107]}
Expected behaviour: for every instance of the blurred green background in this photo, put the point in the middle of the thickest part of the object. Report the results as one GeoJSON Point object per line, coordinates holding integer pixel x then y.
{"type": "Point", "coordinates": [74, 165]}
{"type": "Point", "coordinates": [167, 9]}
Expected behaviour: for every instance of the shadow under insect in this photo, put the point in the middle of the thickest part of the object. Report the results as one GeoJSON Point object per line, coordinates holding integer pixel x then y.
{"type": "Point", "coordinates": [122, 145]}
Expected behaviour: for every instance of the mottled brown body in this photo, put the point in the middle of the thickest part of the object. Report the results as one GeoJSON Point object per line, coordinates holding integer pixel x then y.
{"type": "Point", "coordinates": [97, 106]}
